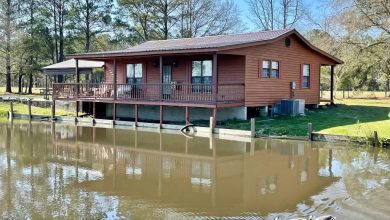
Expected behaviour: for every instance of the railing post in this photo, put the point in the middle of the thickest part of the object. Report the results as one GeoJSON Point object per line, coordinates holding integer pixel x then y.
{"type": "Point", "coordinates": [115, 80]}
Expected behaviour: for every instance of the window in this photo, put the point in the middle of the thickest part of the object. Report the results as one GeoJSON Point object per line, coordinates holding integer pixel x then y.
{"type": "Point", "coordinates": [306, 76]}
{"type": "Point", "coordinates": [270, 69]}
{"type": "Point", "coordinates": [266, 66]}
{"type": "Point", "coordinates": [275, 69]}
{"type": "Point", "coordinates": [201, 74]}
{"type": "Point", "coordinates": [134, 73]}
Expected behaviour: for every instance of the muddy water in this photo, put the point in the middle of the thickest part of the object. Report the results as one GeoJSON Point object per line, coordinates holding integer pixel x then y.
{"type": "Point", "coordinates": [62, 171]}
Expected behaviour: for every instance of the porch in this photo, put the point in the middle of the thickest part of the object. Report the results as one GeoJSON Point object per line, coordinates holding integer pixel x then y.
{"type": "Point", "coordinates": [228, 94]}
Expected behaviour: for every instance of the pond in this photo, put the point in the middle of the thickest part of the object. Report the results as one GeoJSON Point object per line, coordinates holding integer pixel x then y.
{"type": "Point", "coordinates": [55, 170]}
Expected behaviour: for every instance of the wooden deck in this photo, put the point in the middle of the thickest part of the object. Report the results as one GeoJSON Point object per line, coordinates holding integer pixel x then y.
{"type": "Point", "coordinates": [156, 94]}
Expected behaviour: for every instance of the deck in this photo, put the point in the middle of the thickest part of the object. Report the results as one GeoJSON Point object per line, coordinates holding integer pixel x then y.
{"type": "Point", "coordinates": [231, 94]}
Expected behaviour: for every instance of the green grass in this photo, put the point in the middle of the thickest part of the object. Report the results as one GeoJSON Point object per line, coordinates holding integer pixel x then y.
{"type": "Point", "coordinates": [352, 117]}
{"type": "Point", "coordinates": [23, 109]}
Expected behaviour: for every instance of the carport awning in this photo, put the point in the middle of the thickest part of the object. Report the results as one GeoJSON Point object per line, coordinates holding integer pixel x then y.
{"type": "Point", "coordinates": [69, 67]}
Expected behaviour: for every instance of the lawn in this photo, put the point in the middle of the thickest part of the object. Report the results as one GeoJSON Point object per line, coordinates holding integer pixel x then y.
{"type": "Point", "coordinates": [23, 109]}
{"type": "Point", "coordinates": [352, 117]}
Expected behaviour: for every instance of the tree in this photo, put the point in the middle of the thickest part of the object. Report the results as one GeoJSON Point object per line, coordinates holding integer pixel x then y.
{"type": "Point", "coordinates": [8, 10]}
{"type": "Point", "coordinates": [141, 13]}
{"type": "Point", "coordinates": [209, 17]}
{"type": "Point", "coordinates": [90, 18]}
{"type": "Point", "coordinates": [273, 14]}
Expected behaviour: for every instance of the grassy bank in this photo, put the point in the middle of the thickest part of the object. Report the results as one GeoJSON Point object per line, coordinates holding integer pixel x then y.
{"type": "Point", "coordinates": [23, 109]}
{"type": "Point", "coordinates": [353, 117]}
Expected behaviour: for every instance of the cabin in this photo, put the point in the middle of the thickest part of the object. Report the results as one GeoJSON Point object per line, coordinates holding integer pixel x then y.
{"type": "Point", "coordinates": [226, 77]}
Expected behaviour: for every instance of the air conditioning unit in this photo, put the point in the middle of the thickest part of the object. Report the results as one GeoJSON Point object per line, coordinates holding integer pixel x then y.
{"type": "Point", "coordinates": [292, 106]}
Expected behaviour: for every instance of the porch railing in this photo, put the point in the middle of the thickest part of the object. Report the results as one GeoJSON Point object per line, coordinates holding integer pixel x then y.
{"type": "Point", "coordinates": [170, 92]}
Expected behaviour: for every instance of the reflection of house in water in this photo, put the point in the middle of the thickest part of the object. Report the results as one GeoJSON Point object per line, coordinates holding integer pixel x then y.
{"type": "Point", "coordinates": [205, 174]}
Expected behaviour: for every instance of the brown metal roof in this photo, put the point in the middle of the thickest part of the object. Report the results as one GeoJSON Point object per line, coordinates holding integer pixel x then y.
{"type": "Point", "coordinates": [201, 44]}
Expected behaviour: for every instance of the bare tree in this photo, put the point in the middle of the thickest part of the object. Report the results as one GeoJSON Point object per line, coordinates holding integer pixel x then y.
{"type": "Point", "coordinates": [208, 17]}
{"type": "Point", "coordinates": [273, 14]}
{"type": "Point", "coordinates": [262, 13]}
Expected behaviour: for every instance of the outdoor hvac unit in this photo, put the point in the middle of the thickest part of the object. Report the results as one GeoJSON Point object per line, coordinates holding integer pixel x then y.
{"type": "Point", "coordinates": [292, 106]}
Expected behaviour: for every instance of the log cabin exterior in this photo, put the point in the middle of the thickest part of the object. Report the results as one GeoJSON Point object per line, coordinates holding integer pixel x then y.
{"type": "Point", "coordinates": [229, 74]}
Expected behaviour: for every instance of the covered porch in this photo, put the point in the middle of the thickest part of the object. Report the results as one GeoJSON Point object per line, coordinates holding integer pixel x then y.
{"type": "Point", "coordinates": [193, 79]}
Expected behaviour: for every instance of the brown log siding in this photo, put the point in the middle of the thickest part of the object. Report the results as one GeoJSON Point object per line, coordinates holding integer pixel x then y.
{"type": "Point", "coordinates": [231, 69]}
{"type": "Point", "coordinates": [266, 91]}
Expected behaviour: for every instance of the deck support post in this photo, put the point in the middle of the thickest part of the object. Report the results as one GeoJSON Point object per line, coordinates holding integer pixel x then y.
{"type": "Point", "coordinates": [215, 76]}
{"type": "Point", "coordinates": [53, 110]}
{"type": "Point", "coordinates": [331, 84]}
{"type": "Point", "coordinates": [29, 109]}
{"type": "Point", "coordinates": [214, 117]}
{"type": "Point", "coordinates": [115, 80]}
{"type": "Point", "coordinates": [253, 127]}
{"type": "Point", "coordinates": [11, 110]}
{"type": "Point", "coordinates": [77, 109]}
{"type": "Point", "coordinates": [187, 115]}
{"type": "Point", "coordinates": [310, 131]}
{"type": "Point", "coordinates": [136, 115]}
{"type": "Point", "coordinates": [161, 116]}
{"type": "Point", "coordinates": [94, 110]}
{"type": "Point", "coordinates": [113, 113]}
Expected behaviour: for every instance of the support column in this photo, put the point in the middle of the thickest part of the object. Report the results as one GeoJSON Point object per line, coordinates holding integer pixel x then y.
{"type": "Point", "coordinates": [161, 77]}
{"type": "Point", "coordinates": [53, 109]}
{"type": "Point", "coordinates": [46, 88]}
{"type": "Point", "coordinates": [187, 115]}
{"type": "Point", "coordinates": [113, 112]}
{"type": "Point", "coordinates": [115, 80]}
{"type": "Point", "coordinates": [331, 84]}
{"type": "Point", "coordinates": [214, 117]}
{"type": "Point", "coordinates": [215, 77]}
{"type": "Point", "coordinates": [77, 109]}
{"type": "Point", "coordinates": [136, 115]}
{"type": "Point", "coordinates": [161, 115]}
{"type": "Point", "coordinates": [94, 110]}
{"type": "Point", "coordinates": [77, 78]}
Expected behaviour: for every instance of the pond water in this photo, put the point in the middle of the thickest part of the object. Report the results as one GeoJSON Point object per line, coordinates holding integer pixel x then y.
{"type": "Point", "coordinates": [50, 170]}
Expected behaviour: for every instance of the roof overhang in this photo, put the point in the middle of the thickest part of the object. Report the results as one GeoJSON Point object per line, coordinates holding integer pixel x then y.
{"type": "Point", "coordinates": [120, 54]}
{"type": "Point", "coordinates": [69, 67]}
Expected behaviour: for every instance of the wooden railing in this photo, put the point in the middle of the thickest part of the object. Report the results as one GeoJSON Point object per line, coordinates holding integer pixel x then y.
{"type": "Point", "coordinates": [193, 93]}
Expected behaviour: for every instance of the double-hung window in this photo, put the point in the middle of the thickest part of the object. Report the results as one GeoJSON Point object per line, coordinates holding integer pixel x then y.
{"type": "Point", "coordinates": [201, 75]}
{"type": "Point", "coordinates": [270, 69]}
{"type": "Point", "coordinates": [266, 65]}
{"type": "Point", "coordinates": [306, 76]}
{"type": "Point", "coordinates": [134, 73]}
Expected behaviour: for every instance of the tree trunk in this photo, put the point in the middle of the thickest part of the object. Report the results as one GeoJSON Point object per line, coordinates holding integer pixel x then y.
{"type": "Point", "coordinates": [30, 82]}
{"type": "Point", "coordinates": [20, 89]}
{"type": "Point", "coordinates": [8, 48]}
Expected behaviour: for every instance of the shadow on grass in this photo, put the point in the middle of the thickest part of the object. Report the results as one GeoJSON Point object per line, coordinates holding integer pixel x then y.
{"type": "Point", "coordinates": [322, 119]}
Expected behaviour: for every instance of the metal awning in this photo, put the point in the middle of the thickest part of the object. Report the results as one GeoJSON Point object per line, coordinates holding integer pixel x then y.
{"type": "Point", "coordinates": [69, 67]}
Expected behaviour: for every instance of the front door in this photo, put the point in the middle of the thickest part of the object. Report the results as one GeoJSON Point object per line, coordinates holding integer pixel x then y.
{"type": "Point", "coordinates": [167, 78]}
